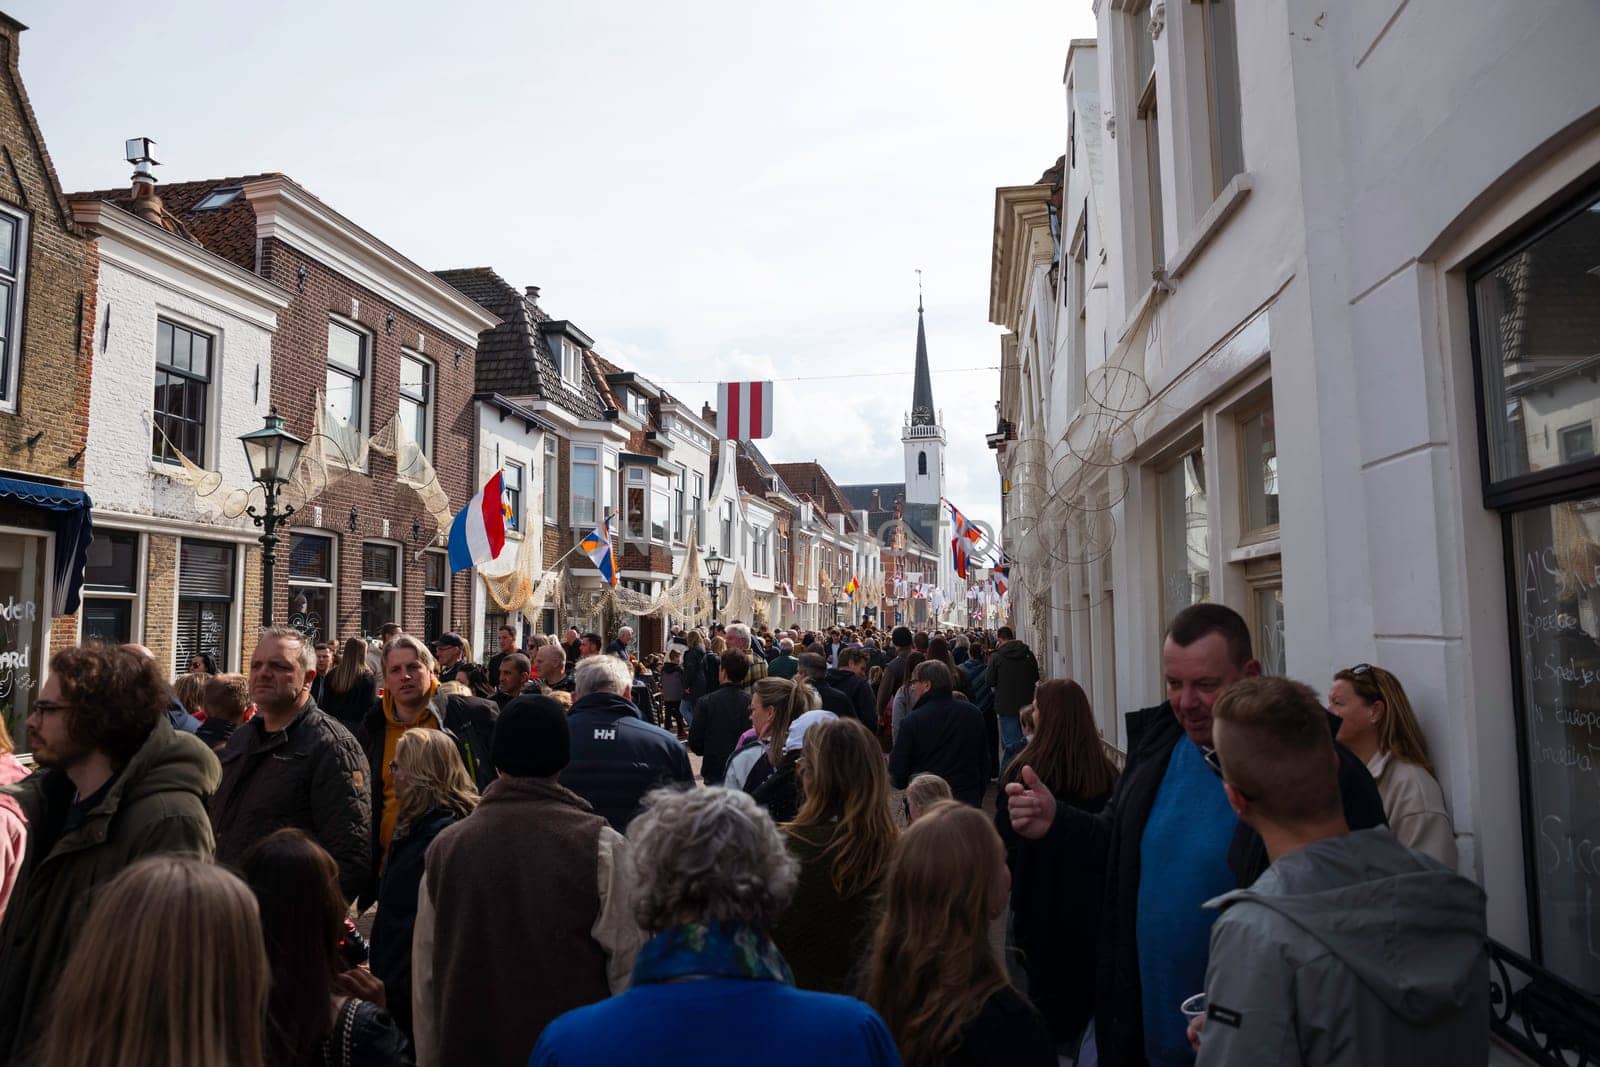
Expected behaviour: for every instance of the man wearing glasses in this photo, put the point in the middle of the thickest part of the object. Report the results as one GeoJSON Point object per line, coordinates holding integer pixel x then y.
{"type": "Point", "coordinates": [118, 784]}
{"type": "Point", "coordinates": [1168, 816]}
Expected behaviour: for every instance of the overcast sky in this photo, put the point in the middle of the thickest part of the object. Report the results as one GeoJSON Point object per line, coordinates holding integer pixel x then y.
{"type": "Point", "coordinates": [713, 190]}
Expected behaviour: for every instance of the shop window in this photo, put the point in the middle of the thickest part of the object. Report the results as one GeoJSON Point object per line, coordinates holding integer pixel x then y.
{"type": "Point", "coordinates": [13, 268]}
{"type": "Point", "coordinates": [205, 603]}
{"type": "Point", "coordinates": [183, 381]}
{"type": "Point", "coordinates": [435, 595]}
{"type": "Point", "coordinates": [111, 586]}
{"type": "Point", "coordinates": [24, 633]}
{"type": "Point", "coordinates": [1537, 348]}
{"type": "Point", "coordinates": [380, 587]}
{"type": "Point", "coordinates": [311, 586]}
{"type": "Point", "coordinates": [1185, 532]}
{"type": "Point", "coordinates": [511, 482]}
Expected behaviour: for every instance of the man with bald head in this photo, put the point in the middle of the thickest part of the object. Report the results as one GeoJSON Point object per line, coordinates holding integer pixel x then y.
{"type": "Point", "coordinates": [551, 663]}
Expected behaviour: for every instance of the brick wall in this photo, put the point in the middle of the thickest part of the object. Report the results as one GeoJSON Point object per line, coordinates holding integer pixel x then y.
{"type": "Point", "coordinates": [559, 539]}
{"type": "Point", "coordinates": [160, 595]}
{"type": "Point", "coordinates": [299, 353]}
{"type": "Point", "coordinates": [250, 609]}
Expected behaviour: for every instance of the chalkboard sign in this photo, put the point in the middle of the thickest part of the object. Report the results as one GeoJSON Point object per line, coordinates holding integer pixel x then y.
{"type": "Point", "coordinates": [1557, 588]}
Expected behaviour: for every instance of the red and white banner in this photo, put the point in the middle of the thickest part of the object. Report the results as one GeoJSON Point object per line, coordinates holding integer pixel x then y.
{"type": "Point", "coordinates": [744, 411]}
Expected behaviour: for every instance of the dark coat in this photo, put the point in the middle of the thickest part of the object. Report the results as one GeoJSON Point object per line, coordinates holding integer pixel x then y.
{"type": "Point", "coordinates": [780, 791]}
{"type": "Point", "coordinates": [694, 685]}
{"type": "Point", "coordinates": [858, 691]}
{"type": "Point", "coordinates": [942, 735]}
{"type": "Point", "coordinates": [1012, 673]}
{"type": "Point", "coordinates": [824, 936]}
{"type": "Point", "coordinates": [1007, 1032]}
{"type": "Point", "coordinates": [376, 1039]}
{"type": "Point", "coordinates": [894, 673]}
{"type": "Point", "coordinates": [617, 757]}
{"type": "Point", "coordinates": [1053, 908]}
{"type": "Point", "coordinates": [976, 673]}
{"type": "Point", "coordinates": [311, 775]}
{"type": "Point", "coordinates": [397, 912]}
{"type": "Point", "coordinates": [470, 723]}
{"type": "Point", "coordinates": [833, 700]}
{"type": "Point", "coordinates": [720, 718]}
{"type": "Point", "coordinates": [351, 706]}
{"type": "Point", "coordinates": [1110, 841]}
{"type": "Point", "coordinates": [157, 804]}
{"type": "Point", "coordinates": [783, 666]}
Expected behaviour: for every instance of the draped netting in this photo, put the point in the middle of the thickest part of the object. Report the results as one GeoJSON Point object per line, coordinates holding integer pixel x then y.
{"type": "Point", "coordinates": [413, 469]}
{"type": "Point", "coordinates": [684, 596]}
{"type": "Point", "coordinates": [528, 588]}
{"type": "Point", "coordinates": [741, 598]}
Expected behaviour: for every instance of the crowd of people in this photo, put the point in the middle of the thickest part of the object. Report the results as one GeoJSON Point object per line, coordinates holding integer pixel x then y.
{"type": "Point", "coordinates": [903, 847]}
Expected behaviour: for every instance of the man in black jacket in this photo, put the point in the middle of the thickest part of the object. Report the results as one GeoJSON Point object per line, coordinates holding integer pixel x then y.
{"type": "Point", "coordinates": [851, 680]}
{"type": "Point", "coordinates": [617, 757]}
{"type": "Point", "coordinates": [1159, 800]}
{"type": "Point", "coordinates": [941, 735]}
{"type": "Point", "coordinates": [1012, 674]}
{"type": "Point", "coordinates": [894, 672]}
{"type": "Point", "coordinates": [720, 717]}
{"type": "Point", "coordinates": [553, 673]}
{"type": "Point", "coordinates": [814, 669]}
{"type": "Point", "coordinates": [293, 765]}
{"type": "Point", "coordinates": [411, 700]}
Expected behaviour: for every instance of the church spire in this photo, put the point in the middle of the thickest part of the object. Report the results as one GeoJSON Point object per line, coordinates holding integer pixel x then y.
{"type": "Point", "coordinates": [922, 386]}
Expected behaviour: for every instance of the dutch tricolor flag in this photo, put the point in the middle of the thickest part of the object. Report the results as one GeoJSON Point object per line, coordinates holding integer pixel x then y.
{"type": "Point", "coordinates": [478, 532]}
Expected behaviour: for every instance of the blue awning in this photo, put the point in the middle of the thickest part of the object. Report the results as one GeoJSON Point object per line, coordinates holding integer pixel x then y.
{"type": "Point", "coordinates": [73, 527]}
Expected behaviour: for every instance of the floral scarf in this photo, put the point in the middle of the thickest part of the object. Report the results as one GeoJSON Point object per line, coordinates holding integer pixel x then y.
{"type": "Point", "coordinates": [710, 950]}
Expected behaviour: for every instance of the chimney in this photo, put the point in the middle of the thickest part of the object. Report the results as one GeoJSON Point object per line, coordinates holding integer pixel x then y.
{"type": "Point", "coordinates": [533, 294]}
{"type": "Point", "coordinates": [140, 151]}
{"type": "Point", "coordinates": [875, 505]}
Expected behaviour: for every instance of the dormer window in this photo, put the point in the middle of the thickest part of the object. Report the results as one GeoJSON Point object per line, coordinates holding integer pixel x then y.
{"type": "Point", "coordinates": [218, 198]}
{"type": "Point", "coordinates": [571, 364]}
{"type": "Point", "coordinates": [639, 404]}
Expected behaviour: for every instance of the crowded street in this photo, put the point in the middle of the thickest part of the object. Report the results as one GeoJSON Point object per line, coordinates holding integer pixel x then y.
{"type": "Point", "coordinates": [1058, 534]}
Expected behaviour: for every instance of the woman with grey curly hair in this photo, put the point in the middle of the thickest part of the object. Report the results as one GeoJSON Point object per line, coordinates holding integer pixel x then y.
{"type": "Point", "coordinates": [713, 876]}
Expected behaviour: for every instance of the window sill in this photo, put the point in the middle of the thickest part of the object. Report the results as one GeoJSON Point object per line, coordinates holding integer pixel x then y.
{"type": "Point", "coordinates": [1256, 550]}
{"type": "Point", "coordinates": [1210, 224]}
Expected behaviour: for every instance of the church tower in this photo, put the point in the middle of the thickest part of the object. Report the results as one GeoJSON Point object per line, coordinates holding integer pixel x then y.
{"type": "Point", "coordinates": [923, 436]}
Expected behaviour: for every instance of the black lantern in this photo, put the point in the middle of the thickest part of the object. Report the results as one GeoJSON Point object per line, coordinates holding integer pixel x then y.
{"type": "Point", "coordinates": [273, 454]}
{"type": "Point", "coordinates": [714, 565]}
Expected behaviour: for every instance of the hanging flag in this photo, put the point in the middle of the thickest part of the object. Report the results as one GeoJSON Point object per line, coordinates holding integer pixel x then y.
{"type": "Point", "coordinates": [788, 594]}
{"type": "Point", "coordinates": [1000, 583]}
{"type": "Point", "coordinates": [963, 527]}
{"type": "Point", "coordinates": [478, 532]}
{"type": "Point", "coordinates": [597, 546]}
{"type": "Point", "coordinates": [744, 411]}
{"type": "Point", "coordinates": [851, 586]}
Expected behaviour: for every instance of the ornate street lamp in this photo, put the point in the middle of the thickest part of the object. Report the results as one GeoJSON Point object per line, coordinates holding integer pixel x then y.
{"type": "Point", "coordinates": [273, 454]}
{"type": "Point", "coordinates": [714, 564]}
{"type": "Point", "coordinates": [838, 591]}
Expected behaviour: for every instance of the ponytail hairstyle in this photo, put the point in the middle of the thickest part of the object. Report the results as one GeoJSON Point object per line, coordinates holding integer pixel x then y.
{"type": "Point", "coordinates": [789, 699]}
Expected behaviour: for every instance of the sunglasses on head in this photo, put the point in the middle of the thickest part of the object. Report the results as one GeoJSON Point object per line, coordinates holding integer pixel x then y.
{"type": "Point", "coordinates": [1361, 668]}
{"type": "Point", "coordinates": [1214, 761]}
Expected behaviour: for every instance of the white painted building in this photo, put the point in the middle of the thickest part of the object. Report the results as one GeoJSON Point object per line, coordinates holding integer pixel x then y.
{"type": "Point", "coordinates": [1313, 331]}
{"type": "Point", "coordinates": [513, 440]}
{"type": "Point", "coordinates": [183, 342]}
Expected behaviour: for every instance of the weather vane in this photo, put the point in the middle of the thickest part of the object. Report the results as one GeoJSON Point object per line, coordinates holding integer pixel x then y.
{"type": "Point", "coordinates": [919, 290]}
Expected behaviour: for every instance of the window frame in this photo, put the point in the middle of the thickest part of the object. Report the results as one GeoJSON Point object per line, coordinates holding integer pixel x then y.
{"type": "Point", "coordinates": [1193, 449]}
{"type": "Point", "coordinates": [635, 526]}
{"type": "Point", "coordinates": [363, 380]}
{"type": "Point", "coordinates": [572, 479]}
{"type": "Point", "coordinates": [1251, 534]}
{"type": "Point", "coordinates": [1207, 10]}
{"type": "Point", "coordinates": [551, 473]}
{"type": "Point", "coordinates": [514, 495]}
{"type": "Point", "coordinates": [329, 586]}
{"type": "Point", "coordinates": [13, 309]}
{"type": "Point", "coordinates": [206, 424]}
{"type": "Point", "coordinates": [224, 657]}
{"type": "Point", "coordinates": [431, 596]}
{"type": "Point", "coordinates": [397, 589]}
{"type": "Point", "coordinates": [659, 493]}
{"type": "Point", "coordinates": [427, 400]}
{"type": "Point", "coordinates": [134, 596]}
{"type": "Point", "coordinates": [571, 361]}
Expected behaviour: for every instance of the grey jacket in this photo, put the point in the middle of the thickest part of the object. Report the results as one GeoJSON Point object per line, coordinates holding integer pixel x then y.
{"type": "Point", "coordinates": [1353, 951]}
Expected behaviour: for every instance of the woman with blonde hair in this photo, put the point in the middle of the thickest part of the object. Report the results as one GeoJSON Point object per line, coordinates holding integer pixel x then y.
{"type": "Point", "coordinates": [774, 704]}
{"type": "Point", "coordinates": [352, 688]}
{"type": "Point", "coordinates": [843, 837]}
{"type": "Point", "coordinates": [170, 971]}
{"type": "Point", "coordinates": [777, 785]}
{"type": "Point", "coordinates": [922, 793]}
{"type": "Point", "coordinates": [433, 791]}
{"type": "Point", "coordinates": [1052, 904]}
{"type": "Point", "coordinates": [1378, 725]}
{"type": "Point", "coordinates": [933, 974]}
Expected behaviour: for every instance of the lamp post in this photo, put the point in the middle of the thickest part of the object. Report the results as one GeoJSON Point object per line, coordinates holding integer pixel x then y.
{"type": "Point", "coordinates": [714, 564]}
{"type": "Point", "coordinates": [838, 591]}
{"type": "Point", "coordinates": [273, 454]}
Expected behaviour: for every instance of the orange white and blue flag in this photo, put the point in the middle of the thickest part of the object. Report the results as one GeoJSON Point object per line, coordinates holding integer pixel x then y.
{"type": "Point", "coordinates": [597, 546]}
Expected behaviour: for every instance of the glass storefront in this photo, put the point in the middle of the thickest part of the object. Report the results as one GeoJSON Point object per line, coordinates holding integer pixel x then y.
{"type": "Point", "coordinates": [24, 626]}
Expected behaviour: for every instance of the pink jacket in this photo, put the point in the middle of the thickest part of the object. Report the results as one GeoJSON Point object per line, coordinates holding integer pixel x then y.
{"type": "Point", "coordinates": [13, 828]}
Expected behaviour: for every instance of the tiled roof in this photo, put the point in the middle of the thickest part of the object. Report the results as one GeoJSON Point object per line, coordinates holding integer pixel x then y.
{"type": "Point", "coordinates": [229, 231]}
{"type": "Point", "coordinates": [922, 519]}
{"type": "Point", "coordinates": [756, 475]}
{"type": "Point", "coordinates": [514, 358]}
{"type": "Point", "coordinates": [810, 480]}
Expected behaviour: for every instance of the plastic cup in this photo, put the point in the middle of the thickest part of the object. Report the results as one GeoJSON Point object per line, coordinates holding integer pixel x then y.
{"type": "Point", "coordinates": [1193, 1007]}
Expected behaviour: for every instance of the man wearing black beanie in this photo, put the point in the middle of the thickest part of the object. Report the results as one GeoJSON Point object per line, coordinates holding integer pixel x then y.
{"type": "Point", "coordinates": [486, 987]}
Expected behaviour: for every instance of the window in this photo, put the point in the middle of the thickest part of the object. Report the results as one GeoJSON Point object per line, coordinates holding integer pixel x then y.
{"type": "Point", "coordinates": [1537, 330]}
{"type": "Point", "coordinates": [347, 374]}
{"type": "Point", "coordinates": [697, 506]}
{"type": "Point", "coordinates": [25, 584]}
{"type": "Point", "coordinates": [111, 586]}
{"type": "Point", "coordinates": [218, 198]}
{"type": "Point", "coordinates": [1270, 649]}
{"type": "Point", "coordinates": [633, 504]}
{"type": "Point", "coordinates": [1220, 35]}
{"type": "Point", "coordinates": [571, 364]}
{"type": "Point", "coordinates": [660, 511]}
{"type": "Point", "coordinates": [639, 404]}
{"type": "Point", "coordinates": [1144, 89]}
{"type": "Point", "coordinates": [416, 400]}
{"type": "Point", "coordinates": [552, 484]}
{"type": "Point", "coordinates": [1185, 554]}
{"type": "Point", "coordinates": [1260, 472]}
{"type": "Point", "coordinates": [380, 587]}
{"type": "Point", "coordinates": [727, 528]}
{"type": "Point", "coordinates": [205, 602]}
{"type": "Point", "coordinates": [922, 463]}
{"type": "Point", "coordinates": [13, 271]}
{"type": "Point", "coordinates": [679, 506]}
{"type": "Point", "coordinates": [435, 595]}
{"type": "Point", "coordinates": [1577, 442]}
{"type": "Point", "coordinates": [511, 483]}
{"type": "Point", "coordinates": [183, 376]}
{"type": "Point", "coordinates": [311, 586]}
{"type": "Point", "coordinates": [585, 484]}
{"type": "Point", "coordinates": [1537, 319]}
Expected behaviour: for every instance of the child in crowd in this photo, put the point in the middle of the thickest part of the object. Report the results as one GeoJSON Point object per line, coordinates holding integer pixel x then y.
{"type": "Point", "coordinates": [225, 699]}
{"type": "Point", "coordinates": [924, 791]}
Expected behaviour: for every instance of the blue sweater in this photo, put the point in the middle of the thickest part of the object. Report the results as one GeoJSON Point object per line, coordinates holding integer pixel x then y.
{"type": "Point", "coordinates": [718, 1022]}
